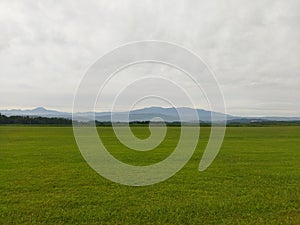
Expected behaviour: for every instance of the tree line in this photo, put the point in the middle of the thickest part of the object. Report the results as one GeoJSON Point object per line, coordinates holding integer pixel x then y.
{"type": "Point", "coordinates": [63, 121]}
{"type": "Point", "coordinates": [33, 120]}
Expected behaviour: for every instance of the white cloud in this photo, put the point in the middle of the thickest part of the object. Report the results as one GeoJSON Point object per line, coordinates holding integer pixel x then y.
{"type": "Point", "coordinates": [253, 46]}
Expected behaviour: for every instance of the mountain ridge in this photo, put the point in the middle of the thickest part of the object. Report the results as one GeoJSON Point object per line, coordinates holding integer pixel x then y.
{"type": "Point", "coordinates": [143, 114]}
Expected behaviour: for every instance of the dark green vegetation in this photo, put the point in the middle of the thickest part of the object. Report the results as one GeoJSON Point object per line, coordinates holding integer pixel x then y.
{"type": "Point", "coordinates": [38, 120]}
{"type": "Point", "coordinates": [254, 180]}
{"type": "Point", "coordinates": [33, 120]}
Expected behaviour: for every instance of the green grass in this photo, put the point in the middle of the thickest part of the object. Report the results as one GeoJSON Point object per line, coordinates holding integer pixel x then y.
{"type": "Point", "coordinates": [255, 179]}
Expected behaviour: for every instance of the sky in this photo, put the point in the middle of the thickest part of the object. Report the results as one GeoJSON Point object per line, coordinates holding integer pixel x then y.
{"type": "Point", "coordinates": [253, 47]}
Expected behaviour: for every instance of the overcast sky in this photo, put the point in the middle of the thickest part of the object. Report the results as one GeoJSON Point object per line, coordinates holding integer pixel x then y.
{"type": "Point", "coordinates": [252, 46]}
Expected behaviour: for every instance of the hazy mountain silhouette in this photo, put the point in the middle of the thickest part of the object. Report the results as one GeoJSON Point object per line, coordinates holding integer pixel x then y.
{"type": "Point", "coordinates": [145, 114]}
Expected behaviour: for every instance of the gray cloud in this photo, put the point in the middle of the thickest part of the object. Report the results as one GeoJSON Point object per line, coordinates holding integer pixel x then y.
{"type": "Point", "coordinates": [253, 47]}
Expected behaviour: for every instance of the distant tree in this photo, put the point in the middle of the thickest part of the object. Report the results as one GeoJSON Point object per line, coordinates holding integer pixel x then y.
{"type": "Point", "coordinates": [32, 120]}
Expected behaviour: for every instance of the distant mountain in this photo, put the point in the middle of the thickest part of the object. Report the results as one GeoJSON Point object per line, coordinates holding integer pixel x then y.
{"type": "Point", "coordinates": [277, 118]}
{"type": "Point", "coordinates": [145, 114]}
{"type": "Point", "coordinates": [39, 111]}
{"type": "Point", "coordinates": [167, 114]}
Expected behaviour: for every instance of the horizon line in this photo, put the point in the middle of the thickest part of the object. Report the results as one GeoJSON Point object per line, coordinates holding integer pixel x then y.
{"type": "Point", "coordinates": [162, 107]}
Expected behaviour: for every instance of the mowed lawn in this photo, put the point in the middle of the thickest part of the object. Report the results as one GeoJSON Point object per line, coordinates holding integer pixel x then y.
{"type": "Point", "coordinates": [255, 179]}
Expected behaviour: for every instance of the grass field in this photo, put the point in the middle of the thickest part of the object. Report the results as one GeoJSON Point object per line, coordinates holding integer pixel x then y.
{"type": "Point", "coordinates": [255, 179]}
